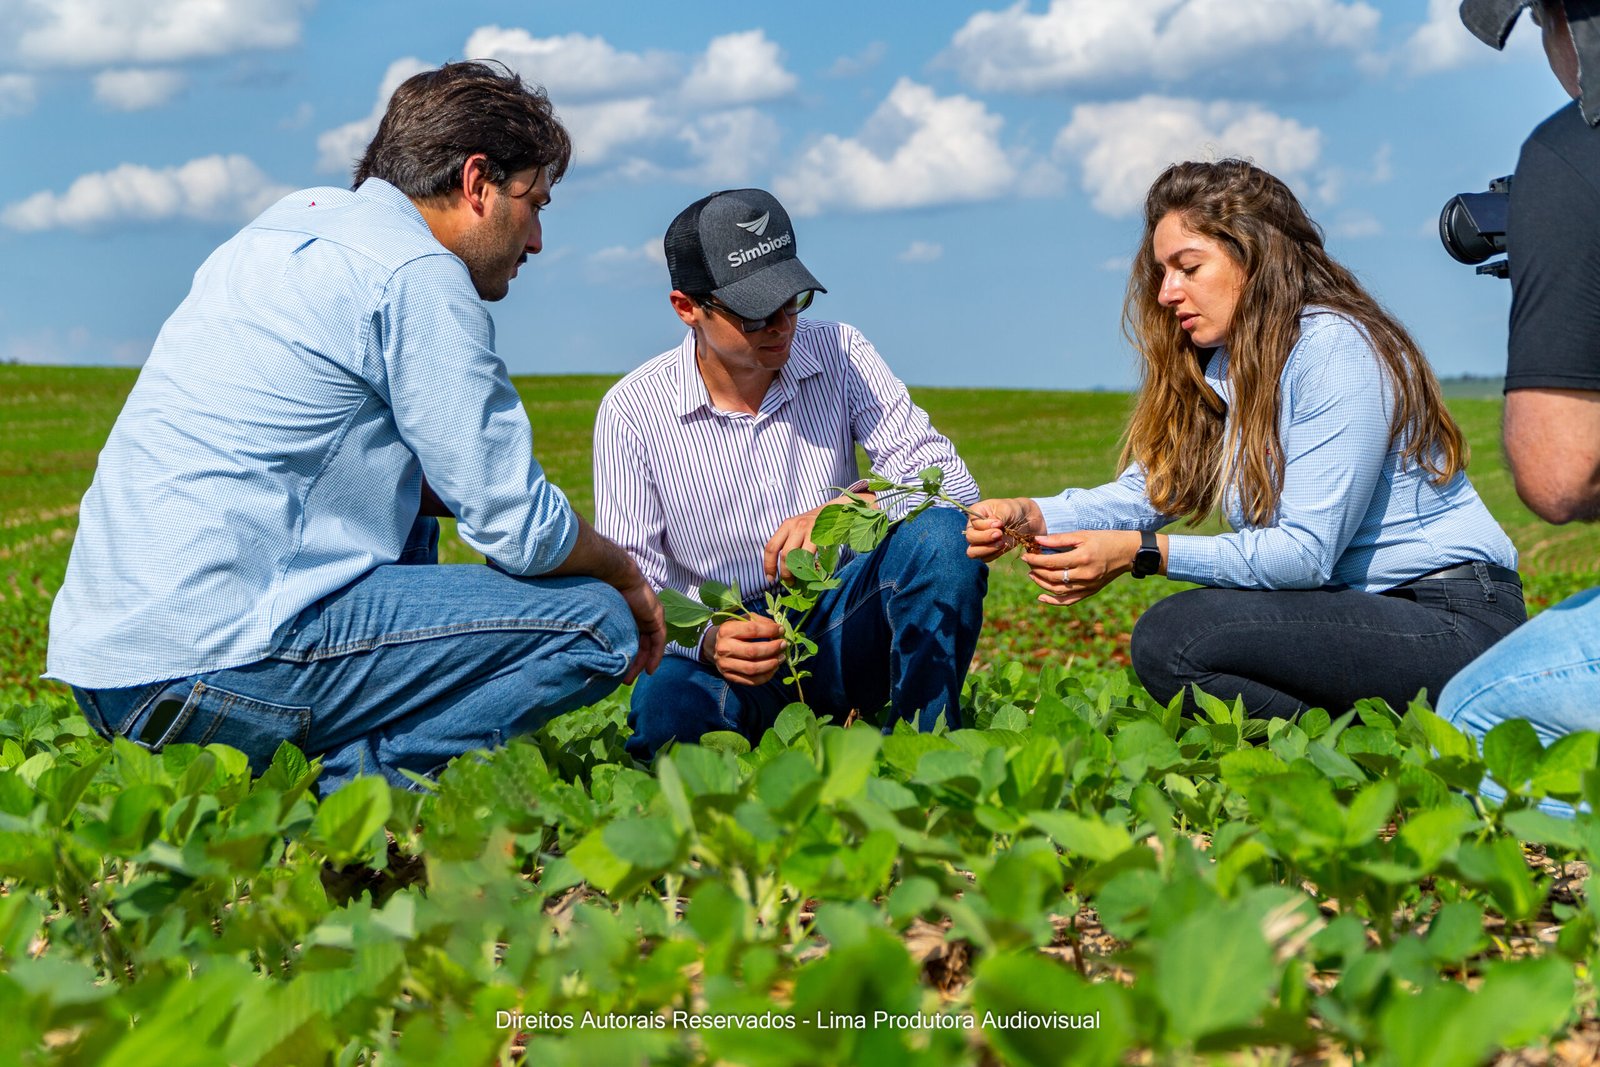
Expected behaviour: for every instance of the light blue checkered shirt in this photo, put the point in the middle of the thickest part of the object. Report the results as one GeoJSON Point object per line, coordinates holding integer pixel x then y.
{"type": "Point", "coordinates": [1353, 513]}
{"type": "Point", "coordinates": [274, 446]}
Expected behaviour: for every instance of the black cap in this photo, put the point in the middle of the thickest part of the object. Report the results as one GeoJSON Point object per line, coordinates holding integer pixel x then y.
{"type": "Point", "coordinates": [1491, 20]}
{"type": "Point", "coordinates": [738, 245]}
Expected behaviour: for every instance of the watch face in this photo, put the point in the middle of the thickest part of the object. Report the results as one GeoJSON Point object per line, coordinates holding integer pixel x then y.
{"type": "Point", "coordinates": [1146, 561]}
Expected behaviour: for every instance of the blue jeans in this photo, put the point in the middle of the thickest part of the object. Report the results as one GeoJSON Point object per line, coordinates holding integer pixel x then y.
{"type": "Point", "coordinates": [407, 667]}
{"type": "Point", "coordinates": [900, 629]}
{"type": "Point", "coordinates": [1285, 650]}
{"type": "Point", "coordinates": [1548, 673]}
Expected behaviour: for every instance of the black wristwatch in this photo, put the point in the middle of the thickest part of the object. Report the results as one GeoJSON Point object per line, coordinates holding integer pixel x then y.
{"type": "Point", "coordinates": [1147, 560]}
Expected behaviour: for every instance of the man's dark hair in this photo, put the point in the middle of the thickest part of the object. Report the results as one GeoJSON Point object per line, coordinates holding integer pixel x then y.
{"type": "Point", "coordinates": [438, 118]}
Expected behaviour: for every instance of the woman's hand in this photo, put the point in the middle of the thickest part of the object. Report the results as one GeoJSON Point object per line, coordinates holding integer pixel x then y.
{"type": "Point", "coordinates": [995, 526]}
{"type": "Point", "coordinates": [1084, 562]}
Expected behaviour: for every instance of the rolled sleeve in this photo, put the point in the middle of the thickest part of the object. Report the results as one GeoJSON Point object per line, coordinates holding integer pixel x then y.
{"type": "Point", "coordinates": [1118, 505]}
{"type": "Point", "coordinates": [456, 409]}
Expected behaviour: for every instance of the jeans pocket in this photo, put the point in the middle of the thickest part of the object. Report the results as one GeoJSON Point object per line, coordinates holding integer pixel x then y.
{"type": "Point", "coordinates": [91, 712]}
{"type": "Point", "coordinates": [254, 727]}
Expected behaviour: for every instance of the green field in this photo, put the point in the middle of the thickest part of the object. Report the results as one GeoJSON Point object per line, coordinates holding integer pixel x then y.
{"type": "Point", "coordinates": [1331, 889]}
{"type": "Point", "coordinates": [1016, 443]}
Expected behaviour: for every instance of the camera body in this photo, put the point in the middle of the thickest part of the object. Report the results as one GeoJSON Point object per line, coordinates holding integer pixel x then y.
{"type": "Point", "coordinates": [1472, 227]}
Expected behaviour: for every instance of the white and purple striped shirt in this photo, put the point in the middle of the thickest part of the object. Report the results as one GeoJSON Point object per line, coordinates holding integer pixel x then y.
{"type": "Point", "coordinates": [694, 493]}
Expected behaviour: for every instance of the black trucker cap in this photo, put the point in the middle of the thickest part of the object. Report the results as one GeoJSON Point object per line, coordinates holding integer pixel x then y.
{"type": "Point", "coordinates": [1491, 21]}
{"type": "Point", "coordinates": [738, 245]}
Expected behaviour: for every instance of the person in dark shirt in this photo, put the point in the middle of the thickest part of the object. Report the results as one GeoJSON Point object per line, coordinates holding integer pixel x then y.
{"type": "Point", "coordinates": [1548, 672]}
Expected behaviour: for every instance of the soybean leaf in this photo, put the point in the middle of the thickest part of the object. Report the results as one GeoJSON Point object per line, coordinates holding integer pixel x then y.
{"type": "Point", "coordinates": [685, 618]}
{"type": "Point", "coordinates": [1527, 999]}
{"type": "Point", "coordinates": [869, 532]}
{"type": "Point", "coordinates": [1015, 987]}
{"type": "Point", "coordinates": [1512, 751]}
{"type": "Point", "coordinates": [1092, 838]}
{"type": "Point", "coordinates": [347, 821]}
{"type": "Point", "coordinates": [1444, 738]}
{"type": "Point", "coordinates": [834, 523]}
{"type": "Point", "coordinates": [1499, 868]}
{"type": "Point", "coordinates": [720, 596]}
{"type": "Point", "coordinates": [807, 569]}
{"type": "Point", "coordinates": [850, 754]}
{"type": "Point", "coordinates": [1213, 971]}
{"type": "Point", "coordinates": [1455, 933]}
{"type": "Point", "coordinates": [1563, 763]}
{"type": "Point", "coordinates": [642, 842]}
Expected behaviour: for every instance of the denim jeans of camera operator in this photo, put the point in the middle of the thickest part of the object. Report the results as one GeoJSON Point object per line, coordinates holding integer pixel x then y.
{"type": "Point", "coordinates": [1548, 673]}
{"type": "Point", "coordinates": [409, 666]}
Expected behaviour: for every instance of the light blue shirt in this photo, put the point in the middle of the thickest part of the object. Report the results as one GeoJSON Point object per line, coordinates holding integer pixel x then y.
{"type": "Point", "coordinates": [1353, 513]}
{"type": "Point", "coordinates": [273, 448]}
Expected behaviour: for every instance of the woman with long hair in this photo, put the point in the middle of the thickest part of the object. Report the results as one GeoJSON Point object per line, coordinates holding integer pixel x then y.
{"type": "Point", "coordinates": [1276, 390]}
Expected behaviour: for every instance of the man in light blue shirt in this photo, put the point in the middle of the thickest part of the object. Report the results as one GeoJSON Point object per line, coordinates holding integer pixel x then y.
{"type": "Point", "coordinates": [255, 561]}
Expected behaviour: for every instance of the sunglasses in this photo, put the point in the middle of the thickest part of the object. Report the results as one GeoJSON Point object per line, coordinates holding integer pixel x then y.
{"type": "Point", "coordinates": [796, 304]}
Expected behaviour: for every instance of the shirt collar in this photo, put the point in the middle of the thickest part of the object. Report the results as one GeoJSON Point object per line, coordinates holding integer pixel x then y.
{"type": "Point", "coordinates": [692, 392]}
{"type": "Point", "coordinates": [381, 191]}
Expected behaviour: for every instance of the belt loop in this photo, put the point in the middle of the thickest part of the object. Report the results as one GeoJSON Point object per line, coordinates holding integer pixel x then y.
{"type": "Point", "coordinates": [1480, 570]}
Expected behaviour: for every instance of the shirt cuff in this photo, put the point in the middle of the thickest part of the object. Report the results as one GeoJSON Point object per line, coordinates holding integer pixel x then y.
{"type": "Point", "coordinates": [1192, 558]}
{"type": "Point", "coordinates": [1057, 514]}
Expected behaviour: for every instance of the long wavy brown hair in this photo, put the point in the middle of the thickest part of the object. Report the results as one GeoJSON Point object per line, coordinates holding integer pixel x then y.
{"type": "Point", "coordinates": [1179, 432]}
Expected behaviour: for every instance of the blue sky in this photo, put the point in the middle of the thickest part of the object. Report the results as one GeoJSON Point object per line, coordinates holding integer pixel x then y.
{"type": "Point", "coordinates": [965, 178]}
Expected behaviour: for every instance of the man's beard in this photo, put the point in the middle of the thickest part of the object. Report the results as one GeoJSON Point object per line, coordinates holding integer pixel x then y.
{"type": "Point", "coordinates": [489, 253]}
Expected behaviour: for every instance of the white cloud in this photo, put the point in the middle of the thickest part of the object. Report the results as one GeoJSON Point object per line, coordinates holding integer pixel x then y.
{"type": "Point", "coordinates": [212, 189]}
{"type": "Point", "coordinates": [1116, 264]}
{"type": "Point", "coordinates": [731, 147]}
{"type": "Point", "coordinates": [921, 252]}
{"type": "Point", "coordinates": [339, 148]}
{"type": "Point", "coordinates": [1356, 224]}
{"type": "Point", "coordinates": [738, 68]}
{"type": "Point", "coordinates": [860, 63]}
{"type": "Point", "coordinates": [97, 33]}
{"type": "Point", "coordinates": [638, 264]}
{"type": "Point", "coordinates": [1076, 42]}
{"type": "Point", "coordinates": [1122, 146]}
{"type": "Point", "coordinates": [917, 149]}
{"type": "Point", "coordinates": [18, 93]}
{"type": "Point", "coordinates": [136, 90]}
{"type": "Point", "coordinates": [573, 65]}
{"type": "Point", "coordinates": [1442, 42]}
{"type": "Point", "coordinates": [652, 251]}
{"type": "Point", "coordinates": [300, 118]}
{"type": "Point", "coordinates": [616, 103]}
{"type": "Point", "coordinates": [599, 130]}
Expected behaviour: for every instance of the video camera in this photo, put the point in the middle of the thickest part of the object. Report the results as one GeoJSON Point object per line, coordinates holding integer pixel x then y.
{"type": "Point", "coordinates": [1473, 227]}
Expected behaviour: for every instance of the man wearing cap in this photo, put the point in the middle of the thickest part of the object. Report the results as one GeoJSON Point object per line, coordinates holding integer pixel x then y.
{"type": "Point", "coordinates": [256, 559]}
{"type": "Point", "coordinates": [712, 461]}
{"type": "Point", "coordinates": [1548, 671]}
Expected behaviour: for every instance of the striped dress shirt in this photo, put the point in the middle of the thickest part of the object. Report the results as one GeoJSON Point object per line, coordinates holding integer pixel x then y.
{"type": "Point", "coordinates": [694, 493]}
{"type": "Point", "coordinates": [273, 448]}
{"type": "Point", "coordinates": [1354, 513]}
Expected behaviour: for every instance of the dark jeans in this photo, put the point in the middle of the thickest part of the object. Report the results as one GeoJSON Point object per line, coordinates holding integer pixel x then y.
{"type": "Point", "coordinates": [1287, 650]}
{"type": "Point", "coordinates": [900, 629]}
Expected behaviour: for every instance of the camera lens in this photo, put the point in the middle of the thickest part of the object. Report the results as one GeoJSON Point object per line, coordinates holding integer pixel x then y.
{"type": "Point", "coordinates": [1472, 226]}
